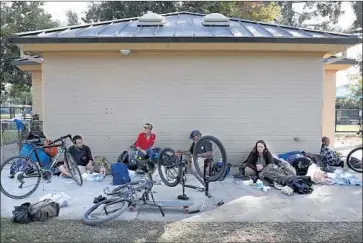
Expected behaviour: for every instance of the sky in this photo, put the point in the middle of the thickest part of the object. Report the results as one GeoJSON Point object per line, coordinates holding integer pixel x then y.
{"type": "Point", "coordinates": [58, 12]}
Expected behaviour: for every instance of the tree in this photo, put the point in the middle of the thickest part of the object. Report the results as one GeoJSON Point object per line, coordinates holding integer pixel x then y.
{"type": "Point", "coordinates": [357, 25]}
{"type": "Point", "coordinates": [72, 18]}
{"type": "Point", "coordinates": [256, 11]}
{"type": "Point", "coordinates": [18, 17]}
{"type": "Point", "coordinates": [260, 11]}
{"type": "Point", "coordinates": [355, 87]}
{"type": "Point", "coordinates": [105, 11]}
{"type": "Point", "coordinates": [326, 14]}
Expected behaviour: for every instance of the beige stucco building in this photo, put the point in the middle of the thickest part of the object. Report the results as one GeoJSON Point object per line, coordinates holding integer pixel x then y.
{"type": "Point", "coordinates": [235, 79]}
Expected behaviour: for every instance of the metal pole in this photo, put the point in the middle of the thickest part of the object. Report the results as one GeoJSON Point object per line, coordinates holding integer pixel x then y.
{"type": "Point", "coordinates": [1, 143]}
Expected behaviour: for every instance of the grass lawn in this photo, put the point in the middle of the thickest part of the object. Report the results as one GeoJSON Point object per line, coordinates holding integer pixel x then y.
{"type": "Point", "coordinates": [10, 136]}
{"type": "Point", "coordinates": [55, 230]}
{"type": "Point", "coordinates": [347, 128]}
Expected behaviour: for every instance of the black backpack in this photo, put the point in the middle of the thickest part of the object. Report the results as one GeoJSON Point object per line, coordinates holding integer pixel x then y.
{"type": "Point", "coordinates": [301, 165]}
{"type": "Point", "coordinates": [125, 158]}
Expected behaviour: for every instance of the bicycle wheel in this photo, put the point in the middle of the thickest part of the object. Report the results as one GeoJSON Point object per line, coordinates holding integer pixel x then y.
{"type": "Point", "coordinates": [20, 177]}
{"type": "Point", "coordinates": [354, 159]}
{"type": "Point", "coordinates": [209, 151]}
{"type": "Point", "coordinates": [169, 167]}
{"type": "Point", "coordinates": [110, 209]}
{"type": "Point", "coordinates": [73, 169]}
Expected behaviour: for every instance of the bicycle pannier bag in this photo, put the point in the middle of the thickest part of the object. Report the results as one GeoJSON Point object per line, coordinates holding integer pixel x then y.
{"type": "Point", "coordinates": [44, 158]}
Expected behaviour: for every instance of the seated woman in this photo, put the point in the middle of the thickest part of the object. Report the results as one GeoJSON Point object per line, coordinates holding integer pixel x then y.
{"type": "Point", "coordinates": [258, 159]}
{"type": "Point", "coordinates": [145, 142]}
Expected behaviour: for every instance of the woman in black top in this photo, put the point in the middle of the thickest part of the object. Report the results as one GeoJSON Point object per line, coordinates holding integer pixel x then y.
{"type": "Point", "coordinates": [258, 159]}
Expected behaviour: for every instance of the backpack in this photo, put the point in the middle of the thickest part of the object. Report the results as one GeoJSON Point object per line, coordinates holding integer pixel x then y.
{"type": "Point", "coordinates": [40, 211]}
{"type": "Point", "coordinates": [217, 166]}
{"type": "Point", "coordinates": [44, 209]}
{"type": "Point", "coordinates": [301, 165]}
{"type": "Point", "coordinates": [50, 151]}
{"type": "Point", "coordinates": [98, 161]}
{"type": "Point", "coordinates": [125, 158]}
{"type": "Point", "coordinates": [120, 173]}
{"type": "Point", "coordinates": [21, 214]}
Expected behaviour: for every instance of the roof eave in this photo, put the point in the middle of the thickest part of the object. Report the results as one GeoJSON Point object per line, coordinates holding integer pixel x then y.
{"type": "Point", "coordinates": [56, 40]}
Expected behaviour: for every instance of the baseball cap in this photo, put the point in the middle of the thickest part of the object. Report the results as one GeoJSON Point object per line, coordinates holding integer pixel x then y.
{"type": "Point", "coordinates": [194, 133]}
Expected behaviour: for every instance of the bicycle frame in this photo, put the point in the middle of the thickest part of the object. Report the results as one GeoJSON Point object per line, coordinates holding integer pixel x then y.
{"type": "Point", "coordinates": [62, 150]}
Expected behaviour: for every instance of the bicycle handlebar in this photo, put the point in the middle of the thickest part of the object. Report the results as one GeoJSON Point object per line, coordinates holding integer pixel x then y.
{"type": "Point", "coordinates": [61, 139]}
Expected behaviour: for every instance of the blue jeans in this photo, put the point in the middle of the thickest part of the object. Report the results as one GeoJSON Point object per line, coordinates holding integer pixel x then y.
{"type": "Point", "coordinates": [149, 152]}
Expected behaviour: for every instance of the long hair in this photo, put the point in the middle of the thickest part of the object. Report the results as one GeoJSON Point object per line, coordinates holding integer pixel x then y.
{"type": "Point", "coordinates": [254, 150]}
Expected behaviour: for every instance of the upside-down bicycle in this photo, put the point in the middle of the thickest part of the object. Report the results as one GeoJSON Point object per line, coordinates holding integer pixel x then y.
{"type": "Point", "coordinates": [20, 168]}
{"type": "Point", "coordinates": [172, 167]}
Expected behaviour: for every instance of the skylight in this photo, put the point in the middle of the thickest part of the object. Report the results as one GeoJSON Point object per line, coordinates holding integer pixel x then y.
{"type": "Point", "coordinates": [215, 19]}
{"type": "Point", "coordinates": [151, 19]}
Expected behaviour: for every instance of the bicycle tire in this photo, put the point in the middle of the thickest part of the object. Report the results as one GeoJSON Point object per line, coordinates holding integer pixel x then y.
{"type": "Point", "coordinates": [27, 194]}
{"type": "Point", "coordinates": [216, 176]}
{"type": "Point", "coordinates": [86, 220]}
{"type": "Point", "coordinates": [70, 161]}
{"type": "Point", "coordinates": [349, 157]}
{"type": "Point", "coordinates": [161, 165]}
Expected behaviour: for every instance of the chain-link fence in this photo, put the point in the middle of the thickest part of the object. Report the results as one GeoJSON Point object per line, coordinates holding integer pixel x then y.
{"type": "Point", "coordinates": [12, 136]}
{"type": "Point", "coordinates": [348, 120]}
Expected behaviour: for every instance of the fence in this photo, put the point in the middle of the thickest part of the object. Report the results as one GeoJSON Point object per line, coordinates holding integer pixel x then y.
{"type": "Point", "coordinates": [11, 138]}
{"type": "Point", "coordinates": [348, 120]}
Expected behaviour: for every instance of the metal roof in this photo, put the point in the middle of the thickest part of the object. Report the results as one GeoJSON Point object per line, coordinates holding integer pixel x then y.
{"type": "Point", "coordinates": [182, 27]}
{"type": "Point", "coordinates": [341, 61]}
{"type": "Point", "coordinates": [26, 61]}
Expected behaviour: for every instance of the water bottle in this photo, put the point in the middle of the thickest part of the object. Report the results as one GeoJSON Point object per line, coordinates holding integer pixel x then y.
{"type": "Point", "coordinates": [103, 170]}
{"type": "Point", "coordinates": [259, 184]}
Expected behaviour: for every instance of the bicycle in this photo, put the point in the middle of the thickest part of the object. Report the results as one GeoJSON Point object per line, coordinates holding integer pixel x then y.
{"type": "Point", "coordinates": [203, 156]}
{"type": "Point", "coordinates": [125, 196]}
{"type": "Point", "coordinates": [32, 170]}
{"type": "Point", "coordinates": [353, 162]}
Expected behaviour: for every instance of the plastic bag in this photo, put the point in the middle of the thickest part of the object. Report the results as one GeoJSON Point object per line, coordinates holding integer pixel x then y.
{"type": "Point", "coordinates": [59, 197]}
{"type": "Point", "coordinates": [95, 177]}
{"type": "Point", "coordinates": [132, 173]}
{"type": "Point", "coordinates": [316, 174]}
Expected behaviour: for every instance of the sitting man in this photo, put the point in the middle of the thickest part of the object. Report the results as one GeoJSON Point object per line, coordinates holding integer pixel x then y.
{"type": "Point", "coordinates": [195, 135]}
{"type": "Point", "coordinates": [82, 156]}
{"type": "Point", "coordinates": [145, 142]}
{"type": "Point", "coordinates": [330, 157]}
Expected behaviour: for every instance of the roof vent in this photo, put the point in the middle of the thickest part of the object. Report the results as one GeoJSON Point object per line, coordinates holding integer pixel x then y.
{"type": "Point", "coordinates": [151, 19]}
{"type": "Point", "coordinates": [215, 19]}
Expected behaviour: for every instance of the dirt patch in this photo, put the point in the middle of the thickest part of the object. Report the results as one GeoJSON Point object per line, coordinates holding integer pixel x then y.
{"type": "Point", "coordinates": [347, 140]}
{"type": "Point", "coordinates": [56, 230]}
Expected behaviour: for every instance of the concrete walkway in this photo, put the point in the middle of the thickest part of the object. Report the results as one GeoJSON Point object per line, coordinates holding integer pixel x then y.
{"type": "Point", "coordinates": [243, 203]}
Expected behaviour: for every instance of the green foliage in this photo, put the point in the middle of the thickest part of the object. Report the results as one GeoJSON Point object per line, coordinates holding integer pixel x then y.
{"type": "Point", "coordinates": [355, 87]}
{"type": "Point", "coordinates": [259, 11]}
{"type": "Point", "coordinates": [18, 17]}
{"type": "Point", "coordinates": [326, 13]}
{"type": "Point", "coordinates": [347, 103]}
{"type": "Point", "coordinates": [72, 18]}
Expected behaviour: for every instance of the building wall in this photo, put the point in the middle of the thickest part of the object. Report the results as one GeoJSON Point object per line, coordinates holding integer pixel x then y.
{"type": "Point", "coordinates": [329, 94]}
{"type": "Point", "coordinates": [37, 93]}
{"type": "Point", "coordinates": [238, 99]}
